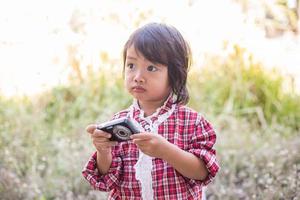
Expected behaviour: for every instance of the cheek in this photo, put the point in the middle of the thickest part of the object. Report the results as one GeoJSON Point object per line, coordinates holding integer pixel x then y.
{"type": "Point", "coordinates": [126, 81]}
{"type": "Point", "coordinates": [168, 86]}
{"type": "Point", "coordinates": [167, 81]}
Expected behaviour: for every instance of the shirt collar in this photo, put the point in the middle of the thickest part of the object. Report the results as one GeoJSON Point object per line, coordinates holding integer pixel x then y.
{"type": "Point", "coordinates": [139, 113]}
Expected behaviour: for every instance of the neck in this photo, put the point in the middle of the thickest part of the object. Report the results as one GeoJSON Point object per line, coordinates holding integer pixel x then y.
{"type": "Point", "coordinates": [150, 108]}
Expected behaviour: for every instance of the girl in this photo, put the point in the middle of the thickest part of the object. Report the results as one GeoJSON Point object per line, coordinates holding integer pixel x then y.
{"type": "Point", "coordinates": [173, 156]}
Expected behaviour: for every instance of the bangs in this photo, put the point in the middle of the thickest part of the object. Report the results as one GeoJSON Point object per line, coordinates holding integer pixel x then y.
{"type": "Point", "coordinates": [150, 46]}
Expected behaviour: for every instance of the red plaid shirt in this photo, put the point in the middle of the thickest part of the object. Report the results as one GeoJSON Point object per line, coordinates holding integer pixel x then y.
{"type": "Point", "coordinates": [184, 128]}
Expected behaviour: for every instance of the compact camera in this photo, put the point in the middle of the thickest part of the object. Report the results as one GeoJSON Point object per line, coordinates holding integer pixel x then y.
{"type": "Point", "coordinates": [120, 129]}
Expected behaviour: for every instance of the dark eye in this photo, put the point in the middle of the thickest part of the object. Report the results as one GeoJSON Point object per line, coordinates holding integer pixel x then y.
{"type": "Point", "coordinates": [130, 65]}
{"type": "Point", "coordinates": [151, 68]}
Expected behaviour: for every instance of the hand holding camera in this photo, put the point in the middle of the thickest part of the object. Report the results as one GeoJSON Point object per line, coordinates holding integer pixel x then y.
{"type": "Point", "coordinates": [106, 135]}
{"type": "Point", "coordinates": [120, 129]}
{"type": "Point", "coordinates": [100, 139]}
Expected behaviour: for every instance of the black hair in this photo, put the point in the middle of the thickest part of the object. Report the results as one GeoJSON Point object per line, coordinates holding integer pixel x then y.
{"type": "Point", "coordinates": [164, 44]}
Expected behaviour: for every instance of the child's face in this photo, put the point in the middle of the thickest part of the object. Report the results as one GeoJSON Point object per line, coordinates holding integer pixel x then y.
{"type": "Point", "coordinates": [145, 81]}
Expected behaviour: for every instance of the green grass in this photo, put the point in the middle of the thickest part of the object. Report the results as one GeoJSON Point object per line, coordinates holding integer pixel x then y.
{"type": "Point", "coordinates": [43, 144]}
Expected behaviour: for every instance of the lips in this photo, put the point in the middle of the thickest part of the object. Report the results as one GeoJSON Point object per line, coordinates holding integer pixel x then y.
{"type": "Point", "coordinates": [138, 89]}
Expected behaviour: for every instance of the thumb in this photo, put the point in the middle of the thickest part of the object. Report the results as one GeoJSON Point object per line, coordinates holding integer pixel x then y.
{"type": "Point", "coordinates": [91, 128]}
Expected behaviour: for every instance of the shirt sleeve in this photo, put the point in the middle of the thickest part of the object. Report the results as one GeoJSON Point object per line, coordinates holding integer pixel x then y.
{"type": "Point", "coordinates": [201, 145]}
{"type": "Point", "coordinates": [106, 182]}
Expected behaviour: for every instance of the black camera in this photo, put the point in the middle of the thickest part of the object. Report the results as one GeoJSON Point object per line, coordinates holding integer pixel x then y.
{"type": "Point", "coordinates": [120, 129]}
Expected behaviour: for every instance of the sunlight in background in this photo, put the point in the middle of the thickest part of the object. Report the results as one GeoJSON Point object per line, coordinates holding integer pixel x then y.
{"type": "Point", "coordinates": [36, 36]}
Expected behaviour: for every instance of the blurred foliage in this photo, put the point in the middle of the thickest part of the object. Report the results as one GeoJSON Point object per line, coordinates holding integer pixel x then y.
{"type": "Point", "coordinates": [256, 163]}
{"type": "Point", "coordinates": [238, 85]}
{"type": "Point", "coordinates": [43, 144]}
{"type": "Point", "coordinates": [275, 16]}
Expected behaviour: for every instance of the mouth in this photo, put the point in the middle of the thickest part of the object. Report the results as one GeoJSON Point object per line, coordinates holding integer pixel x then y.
{"type": "Point", "coordinates": [138, 89]}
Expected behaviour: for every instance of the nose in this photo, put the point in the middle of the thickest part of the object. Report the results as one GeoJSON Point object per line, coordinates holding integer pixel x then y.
{"type": "Point", "coordinates": [139, 77]}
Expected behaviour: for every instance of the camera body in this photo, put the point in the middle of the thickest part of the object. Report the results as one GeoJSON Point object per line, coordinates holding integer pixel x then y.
{"type": "Point", "coordinates": [120, 129]}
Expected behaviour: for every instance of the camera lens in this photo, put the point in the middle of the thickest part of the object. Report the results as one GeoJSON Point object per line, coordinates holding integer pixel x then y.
{"type": "Point", "coordinates": [121, 132]}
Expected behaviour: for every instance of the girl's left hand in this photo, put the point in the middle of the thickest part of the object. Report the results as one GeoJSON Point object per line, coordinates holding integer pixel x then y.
{"type": "Point", "coordinates": [151, 144]}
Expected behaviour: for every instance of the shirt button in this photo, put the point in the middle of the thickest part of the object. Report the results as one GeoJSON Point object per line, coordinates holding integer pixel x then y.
{"type": "Point", "coordinates": [147, 127]}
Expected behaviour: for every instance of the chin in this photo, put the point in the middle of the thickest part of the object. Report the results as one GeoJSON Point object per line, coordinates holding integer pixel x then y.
{"type": "Point", "coordinates": [136, 96]}
{"type": "Point", "coordinates": [139, 97]}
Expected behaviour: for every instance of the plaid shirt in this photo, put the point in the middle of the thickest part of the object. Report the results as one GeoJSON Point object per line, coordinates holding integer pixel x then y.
{"type": "Point", "coordinates": [184, 128]}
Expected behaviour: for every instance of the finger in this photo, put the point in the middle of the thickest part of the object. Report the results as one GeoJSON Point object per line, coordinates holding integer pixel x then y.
{"type": "Point", "coordinates": [141, 142]}
{"type": "Point", "coordinates": [100, 133]}
{"type": "Point", "coordinates": [90, 128]}
{"type": "Point", "coordinates": [104, 144]}
{"type": "Point", "coordinates": [100, 139]}
{"type": "Point", "coordinates": [141, 136]}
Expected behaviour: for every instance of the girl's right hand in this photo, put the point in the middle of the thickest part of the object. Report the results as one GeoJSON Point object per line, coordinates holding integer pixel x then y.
{"type": "Point", "coordinates": [100, 139]}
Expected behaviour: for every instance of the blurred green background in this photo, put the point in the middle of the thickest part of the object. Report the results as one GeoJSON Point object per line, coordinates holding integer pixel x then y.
{"type": "Point", "coordinates": [253, 103]}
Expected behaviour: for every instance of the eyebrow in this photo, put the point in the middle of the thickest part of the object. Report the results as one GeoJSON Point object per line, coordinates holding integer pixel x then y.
{"type": "Point", "coordinates": [130, 57]}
